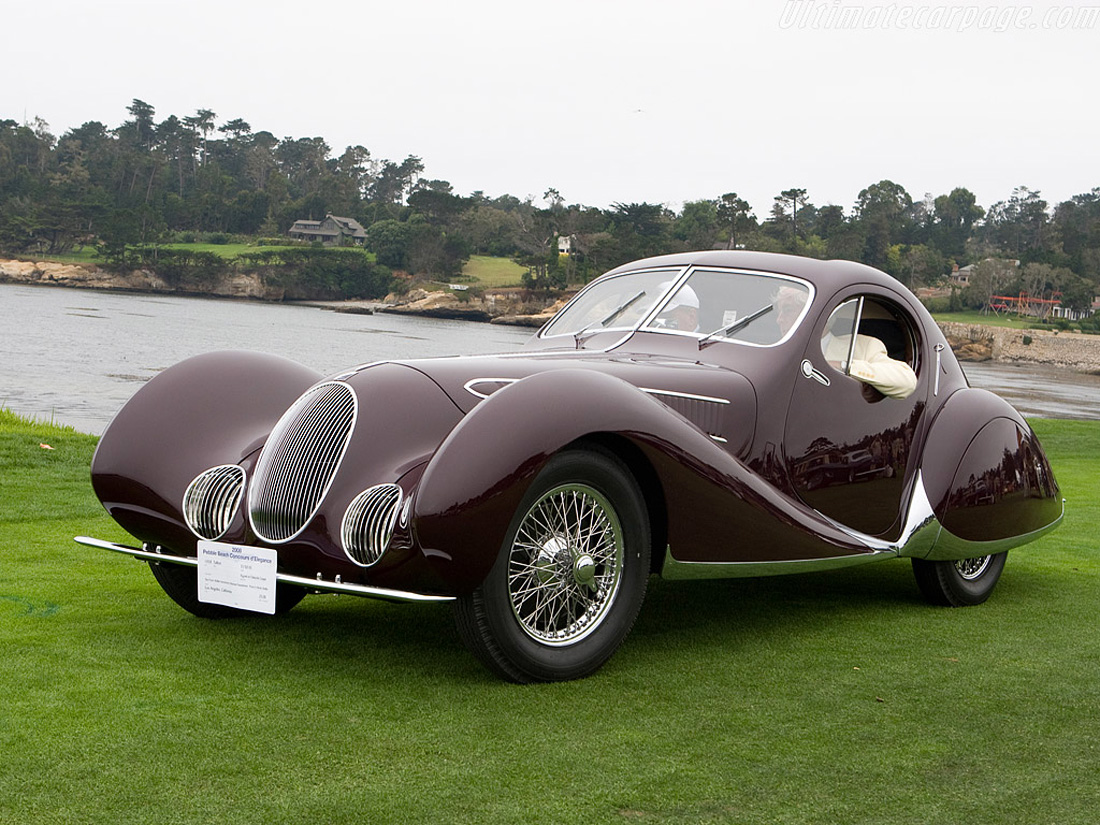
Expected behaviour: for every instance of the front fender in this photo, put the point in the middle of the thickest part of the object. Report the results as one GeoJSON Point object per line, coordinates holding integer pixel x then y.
{"type": "Point", "coordinates": [212, 409]}
{"type": "Point", "coordinates": [718, 509]}
{"type": "Point", "coordinates": [476, 479]}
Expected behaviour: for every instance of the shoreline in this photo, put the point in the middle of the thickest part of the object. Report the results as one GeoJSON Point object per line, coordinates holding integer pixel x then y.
{"type": "Point", "coordinates": [513, 306]}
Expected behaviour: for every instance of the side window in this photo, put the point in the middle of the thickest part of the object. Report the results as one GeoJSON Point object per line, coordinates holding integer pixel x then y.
{"type": "Point", "coordinates": [868, 317]}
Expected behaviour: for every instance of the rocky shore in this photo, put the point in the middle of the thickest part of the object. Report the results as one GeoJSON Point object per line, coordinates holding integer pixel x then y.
{"type": "Point", "coordinates": [970, 342]}
{"type": "Point", "coordinates": [90, 276]}
{"type": "Point", "coordinates": [1068, 350]}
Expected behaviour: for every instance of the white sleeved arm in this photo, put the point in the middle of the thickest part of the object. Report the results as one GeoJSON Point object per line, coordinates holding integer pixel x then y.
{"type": "Point", "coordinates": [871, 365]}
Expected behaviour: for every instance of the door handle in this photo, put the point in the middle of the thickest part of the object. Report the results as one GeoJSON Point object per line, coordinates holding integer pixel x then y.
{"type": "Point", "coordinates": [810, 371]}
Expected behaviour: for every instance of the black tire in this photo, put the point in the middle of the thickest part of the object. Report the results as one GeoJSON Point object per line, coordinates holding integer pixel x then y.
{"type": "Point", "coordinates": [181, 583]}
{"type": "Point", "coordinates": [959, 583]}
{"type": "Point", "coordinates": [571, 575]}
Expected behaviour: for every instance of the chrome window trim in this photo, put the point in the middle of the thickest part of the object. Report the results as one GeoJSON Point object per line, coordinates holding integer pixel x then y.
{"type": "Point", "coordinates": [811, 294]}
{"type": "Point", "coordinates": [685, 273]}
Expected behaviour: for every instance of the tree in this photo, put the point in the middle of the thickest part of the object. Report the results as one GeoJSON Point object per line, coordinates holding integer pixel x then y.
{"type": "Point", "coordinates": [142, 124]}
{"type": "Point", "coordinates": [953, 219]}
{"type": "Point", "coordinates": [787, 204]}
{"type": "Point", "coordinates": [736, 218]}
{"type": "Point", "coordinates": [1018, 226]}
{"type": "Point", "coordinates": [204, 122]}
{"type": "Point", "coordinates": [884, 212]}
{"type": "Point", "coordinates": [698, 225]}
{"type": "Point", "coordinates": [389, 241]}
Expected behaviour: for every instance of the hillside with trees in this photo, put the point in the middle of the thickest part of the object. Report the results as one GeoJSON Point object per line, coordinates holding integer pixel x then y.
{"type": "Point", "coordinates": [129, 190]}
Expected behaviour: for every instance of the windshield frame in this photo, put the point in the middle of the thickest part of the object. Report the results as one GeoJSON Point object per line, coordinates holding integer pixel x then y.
{"type": "Point", "coordinates": [678, 277]}
{"type": "Point", "coordinates": [674, 275]}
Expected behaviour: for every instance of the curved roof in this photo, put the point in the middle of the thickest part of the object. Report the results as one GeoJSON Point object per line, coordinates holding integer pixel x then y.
{"type": "Point", "coordinates": [826, 275]}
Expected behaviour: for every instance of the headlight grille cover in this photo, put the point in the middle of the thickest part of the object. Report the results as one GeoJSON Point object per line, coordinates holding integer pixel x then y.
{"type": "Point", "coordinates": [212, 499]}
{"type": "Point", "coordinates": [369, 522]}
{"type": "Point", "coordinates": [299, 461]}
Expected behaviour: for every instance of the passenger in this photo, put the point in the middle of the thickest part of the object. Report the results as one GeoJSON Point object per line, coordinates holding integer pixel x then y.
{"type": "Point", "coordinates": [870, 362]}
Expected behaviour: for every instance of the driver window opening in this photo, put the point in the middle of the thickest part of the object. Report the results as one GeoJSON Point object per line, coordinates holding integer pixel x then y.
{"type": "Point", "coordinates": [874, 343]}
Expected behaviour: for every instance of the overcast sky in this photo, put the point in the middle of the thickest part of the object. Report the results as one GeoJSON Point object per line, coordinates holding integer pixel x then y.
{"type": "Point", "coordinates": [604, 100]}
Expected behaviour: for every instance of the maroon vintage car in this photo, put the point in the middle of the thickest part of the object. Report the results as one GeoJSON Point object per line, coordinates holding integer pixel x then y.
{"type": "Point", "coordinates": [700, 415]}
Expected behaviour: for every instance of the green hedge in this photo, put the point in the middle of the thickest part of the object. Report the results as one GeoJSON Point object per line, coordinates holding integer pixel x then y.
{"type": "Point", "coordinates": [336, 273]}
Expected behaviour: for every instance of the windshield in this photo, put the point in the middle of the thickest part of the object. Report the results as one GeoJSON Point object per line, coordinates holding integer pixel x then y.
{"type": "Point", "coordinates": [613, 303]}
{"type": "Point", "coordinates": [747, 307]}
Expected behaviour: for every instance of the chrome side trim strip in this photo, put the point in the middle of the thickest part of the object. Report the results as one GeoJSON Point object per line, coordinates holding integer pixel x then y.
{"type": "Point", "coordinates": [676, 570]}
{"type": "Point", "coordinates": [317, 584]}
{"type": "Point", "coordinates": [923, 537]}
{"type": "Point", "coordinates": [950, 547]}
{"type": "Point", "coordinates": [688, 395]}
{"type": "Point", "coordinates": [919, 536]}
{"type": "Point", "coordinates": [473, 382]}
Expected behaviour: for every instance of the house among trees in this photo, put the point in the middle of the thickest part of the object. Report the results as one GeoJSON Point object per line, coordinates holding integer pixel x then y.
{"type": "Point", "coordinates": [960, 276]}
{"type": "Point", "coordinates": [332, 231]}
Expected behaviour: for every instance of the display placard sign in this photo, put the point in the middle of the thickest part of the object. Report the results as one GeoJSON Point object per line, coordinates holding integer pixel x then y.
{"type": "Point", "coordinates": [236, 575]}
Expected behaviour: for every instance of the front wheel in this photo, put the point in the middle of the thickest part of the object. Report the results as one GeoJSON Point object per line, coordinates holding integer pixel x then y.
{"type": "Point", "coordinates": [571, 575]}
{"type": "Point", "coordinates": [959, 583]}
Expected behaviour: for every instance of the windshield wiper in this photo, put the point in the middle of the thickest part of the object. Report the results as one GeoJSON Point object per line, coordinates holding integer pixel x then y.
{"type": "Point", "coordinates": [619, 310]}
{"type": "Point", "coordinates": [725, 332]}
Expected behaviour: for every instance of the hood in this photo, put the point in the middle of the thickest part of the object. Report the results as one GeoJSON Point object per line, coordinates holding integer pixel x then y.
{"type": "Point", "coordinates": [718, 400]}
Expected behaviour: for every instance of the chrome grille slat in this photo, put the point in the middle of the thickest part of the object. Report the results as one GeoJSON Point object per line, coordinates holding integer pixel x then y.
{"type": "Point", "coordinates": [369, 522]}
{"type": "Point", "coordinates": [299, 461]}
{"type": "Point", "coordinates": [211, 500]}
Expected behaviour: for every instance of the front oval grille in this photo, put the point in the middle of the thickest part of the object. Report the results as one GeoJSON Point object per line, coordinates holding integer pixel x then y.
{"type": "Point", "coordinates": [299, 461]}
{"type": "Point", "coordinates": [212, 499]}
{"type": "Point", "coordinates": [368, 523]}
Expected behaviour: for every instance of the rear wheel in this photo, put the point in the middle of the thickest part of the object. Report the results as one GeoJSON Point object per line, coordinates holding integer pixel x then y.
{"type": "Point", "coordinates": [571, 574]}
{"type": "Point", "coordinates": [181, 583]}
{"type": "Point", "coordinates": [959, 583]}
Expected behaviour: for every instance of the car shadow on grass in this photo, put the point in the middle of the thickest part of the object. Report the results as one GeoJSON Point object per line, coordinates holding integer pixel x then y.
{"type": "Point", "coordinates": [350, 638]}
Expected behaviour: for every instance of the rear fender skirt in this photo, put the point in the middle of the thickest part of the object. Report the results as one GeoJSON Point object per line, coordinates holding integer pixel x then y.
{"type": "Point", "coordinates": [212, 409]}
{"type": "Point", "coordinates": [718, 510]}
{"type": "Point", "coordinates": [987, 477]}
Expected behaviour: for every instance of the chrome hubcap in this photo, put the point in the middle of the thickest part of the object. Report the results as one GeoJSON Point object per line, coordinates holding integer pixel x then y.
{"type": "Point", "coordinates": [565, 565]}
{"type": "Point", "coordinates": [971, 569]}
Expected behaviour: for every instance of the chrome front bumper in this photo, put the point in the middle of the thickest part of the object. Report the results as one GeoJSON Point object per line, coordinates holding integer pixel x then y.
{"type": "Point", "coordinates": [318, 584]}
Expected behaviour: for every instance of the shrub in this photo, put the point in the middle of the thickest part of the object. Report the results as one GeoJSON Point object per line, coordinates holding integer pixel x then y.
{"type": "Point", "coordinates": [309, 270]}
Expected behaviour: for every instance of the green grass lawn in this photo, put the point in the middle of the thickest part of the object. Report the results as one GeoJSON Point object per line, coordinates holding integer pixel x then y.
{"type": "Point", "coordinates": [493, 272]}
{"type": "Point", "coordinates": [987, 319]}
{"type": "Point", "coordinates": [225, 250]}
{"type": "Point", "coordinates": [835, 698]}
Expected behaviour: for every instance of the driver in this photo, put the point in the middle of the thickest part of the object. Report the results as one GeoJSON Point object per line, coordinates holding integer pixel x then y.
{"type": "Point", "coordinates": [682, 312]}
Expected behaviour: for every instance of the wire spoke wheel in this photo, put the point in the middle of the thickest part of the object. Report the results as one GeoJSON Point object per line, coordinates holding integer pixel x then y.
{"type": "Point", "coordinates": [570, 576]}
{"type": "Point", "coordinates": [565, 564]}
{"type": "Point", "coordinates": [959, 583]}
{"type": "Point", "coordinates": [972, 569]}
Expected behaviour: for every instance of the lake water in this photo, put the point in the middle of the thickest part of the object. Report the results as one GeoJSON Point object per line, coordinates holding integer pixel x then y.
{"type": "Point", "coordinates": [75, 356]}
